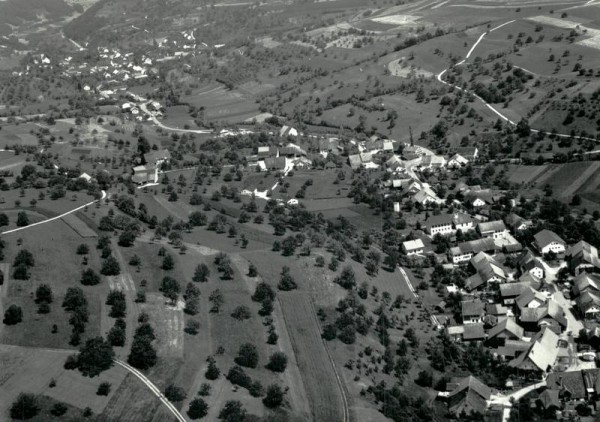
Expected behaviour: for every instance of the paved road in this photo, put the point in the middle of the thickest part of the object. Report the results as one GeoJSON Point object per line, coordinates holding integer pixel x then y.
{"type": "Point", "coordinates": [505, 399]}
{"type": "Point", "coordinates": [488, 105]}
{"type": "Point", "coordinates": [55, 218]}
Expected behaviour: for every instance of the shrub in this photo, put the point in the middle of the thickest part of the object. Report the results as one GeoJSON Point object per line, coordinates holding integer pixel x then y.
{"type": "Point", "coordinates": [103, 389]}
{"type": "Point", "coordinates": [277, 362]}
{"type": "Point", "coordinates": [247, 356]}
{"type": "Point", "coordinates": [197, 409]}
{"type": "Point", "coordinates": [24, 407]}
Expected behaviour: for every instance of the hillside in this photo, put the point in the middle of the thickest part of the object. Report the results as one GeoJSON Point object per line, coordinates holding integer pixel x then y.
{"type": "Point", "coordinates": [16, 12]}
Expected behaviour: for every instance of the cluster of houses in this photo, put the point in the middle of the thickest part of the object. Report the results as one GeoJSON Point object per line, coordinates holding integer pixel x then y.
{"type": "Point", "coordinates": [148, 173]}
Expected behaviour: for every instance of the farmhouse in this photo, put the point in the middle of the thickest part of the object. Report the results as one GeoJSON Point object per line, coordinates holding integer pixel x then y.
{"type": "Point", "coordinates": [540, 356]}
{"type": "Point", "coordinates": [157, 157]}
{"type": "Point", "coordinates": [585, 282]}
{"type": "Point", "coordinates": [432, 162]}
{"type": "Point", "coordinates": [468, 396]}
{"type": "Point", "coordinates": [470, 153]}
{"type": "Point", "coordinates": [547, 241]}
{"type": "Point", "coordinates": [488, 271]}
{"type": "Point", "coordinates": [551, 315]}
{"type": "Point", "coordinates": [575, 385]}
{"type": "Point", "coordinates": [466, 250]}
{"type": "Point", "coordinates": [588, 305]}
{"type": "Point", "coordinates": [448, 224]}
{"type": "Point", "coordinates": [582, 257]}
{"type": "Point", "coordinates": [493, 229]}
{"type": "Point", "coordinates": [530, 299]}
{"type": "Point", "coordinates": [510, 291]}
{"type": "Point", "coordinates": [145, 174]}
{"type": "Point", "coordinates": [527, 263]}
{"type": "Point", "coordinates": [274, 164]}
{"type": "Point", "coordinates": [472, 311]}
{"type": "Point", "coordinates": [426, 196]}
{"type": "Point", "coordinates": [457, 161]}
{"type": "Point", "coordinates": [413, 247]}
{"type": "Point", "coordinates": [517, 224]}
{"type": "Point", "coordinates": [507, 329]}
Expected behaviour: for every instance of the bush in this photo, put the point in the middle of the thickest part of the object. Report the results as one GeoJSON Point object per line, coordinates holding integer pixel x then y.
{"type": "Point", "coordinates": [83, 249]}
{"type": "Point", "coordinates": [192, 326]}
{"type": "Point", "coordinates": [103, 389]}
{"type": "Point", "coordinates": [58, 409]}
{"type": "Point", "coordinates": [174, 393]}
{"type": "Point", "coordinates": [13, 315]}
{"type": "Point", "coordinates": [274, 396]}
{"type": "Point", "coordinates": [22, 219]}
{"type": "Point", "coordinates": [197, 409]}
{"type": "Point", "coordinates": [212, 372]}
{"type": "Point", "coordinates": [95, 357]}
{"type": "Point", "coordinates": [237, 376]}
{"type": "Point", "coordinates": [247, 356]}
{"type": "Point", "coordinates": [277, 362]}
{"type": "Point", "coordinates": [110, 266]}
{"type": "Point", "coordinates": [24, 407]}
{"type": "Point", "coordinates": [89, 277]}
{"type": "Point", "coordinates": [233, 411]}
{"type": "Point", "coordinates": [241, 313]}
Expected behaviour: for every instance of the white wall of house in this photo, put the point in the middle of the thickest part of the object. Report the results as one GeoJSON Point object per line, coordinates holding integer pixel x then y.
{"type": "Point", "coordinates": [553, 247]}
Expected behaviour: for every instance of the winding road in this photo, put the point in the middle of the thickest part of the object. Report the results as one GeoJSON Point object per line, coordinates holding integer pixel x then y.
{"type": "Point", "coordinates": [488, 105]}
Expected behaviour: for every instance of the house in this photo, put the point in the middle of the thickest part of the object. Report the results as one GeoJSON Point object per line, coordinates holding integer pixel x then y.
{"type": "Point", "coordinates": [582, 257]}
{"type": "Point", "coordinates": [472, 311]}
{"type": "Point", "coordinates": [540, 356]}
{"type": "Point", "coordinates": [265, 151]}
{"type": "Point", "coordinates": [466, 250]}
{"type": "Point", "coordinates": [550, 315]}
{"type": "Point", "coordinates": [547, 241]}
{"type": "Point", "coordinates": [530, 299]}
{"type": "Point", "coordinates": [493, 229]}
{"type": "Point", "coordinates": [413, 247]}
{"type": "Point", "coordinates": [575, 385]}
{"type": "Point", "coordinates": [510, 291]}
{"type": "Point", "coordinates": [512, 348]}
{"type": "Point", "coordinates": [448, 224]}
{"type": "Point", "coordinates": [145, 174]}
{"type": "Point", "coordinates": [497, 310]}
{"type": "Point", "coordinates": [457, 161]}
{"type": "Point", "coordinates": [548, 400]}
{"type": "Point", "coordinates": [507, 329]}
{"type": "Point", "coordinates": [274, 163]}
{"type": "Point", "coordinates": [427, 196]}
{"type": "Point", "coordinates": [432, 162]}
{"type": "Point", "coordinates": [468, 396]}
{"type": "Point", "coordinates": [585, 282]}
{"type": "Point", "coordinates": [527, 263]}
{"type": "Point", "coordinates": [488, 268]}
{"type": "Point", "coordinates": [517, 224]}
{"type": "Point", "coordinates": [588, 304]}
{"type": "Point", "coordinates": [292, 202]}
{"type": "Point", "coordinates": [473, 332]}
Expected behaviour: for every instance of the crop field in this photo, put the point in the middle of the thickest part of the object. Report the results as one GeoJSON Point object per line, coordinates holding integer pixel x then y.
{"type": "Point", "coordinates": [81, 228]}
{"type": "Point", "coordinates": [133, 401]}
{"type": "Point", "coordinates": [570, 178]}
{"type": "Point", "coordinates": [315, 367]}
{"type": "Point", "coordinates": [32, 369]}
{"type": "Point", "coordinates": [525, 174]}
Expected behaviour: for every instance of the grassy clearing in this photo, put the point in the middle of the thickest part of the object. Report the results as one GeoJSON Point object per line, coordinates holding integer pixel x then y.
{"type": "Point", "coordinates": [168, 325]}
{"type": "Point", "coordinates": [524, 174]}
{"type": "Point", "coordinates": [31, 370]}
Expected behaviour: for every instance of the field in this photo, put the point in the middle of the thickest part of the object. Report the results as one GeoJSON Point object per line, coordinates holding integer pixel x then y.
{"type": "Point", "coordinates": [316, 369]}
{"type": "Point", "coordinates": [570, 178]}
{"type": "Point", "coordinates": [32, 370]}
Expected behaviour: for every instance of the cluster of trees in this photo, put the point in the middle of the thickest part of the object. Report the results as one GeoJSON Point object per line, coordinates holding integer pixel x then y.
{"type": "Point", "coordinates": [143, 355]}
{"type": "Point", "coordinates": [23, 263]}
{"type": "Point", "coordinates": [76, 304]}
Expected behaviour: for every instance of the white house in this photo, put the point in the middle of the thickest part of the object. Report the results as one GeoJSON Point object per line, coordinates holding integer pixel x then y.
{"type": "Point", "coordinates": [547, 241]}
{"type": "Point", "coordinates": [457, 161]}
{"type": "Point", "coordinates": [413, 247]}
{"type": "Point", "coordinates": [448, 224]}
{"type": "Point", "coordinates": [292, 201]}
{"type": "Point", "coordinates": [493, 229]}
{"type": "Point", "coordinates": [478, 202]}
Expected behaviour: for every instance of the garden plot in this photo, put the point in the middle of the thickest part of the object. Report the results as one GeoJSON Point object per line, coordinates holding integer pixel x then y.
{"type": "Point", "coordinates": [79, 226]}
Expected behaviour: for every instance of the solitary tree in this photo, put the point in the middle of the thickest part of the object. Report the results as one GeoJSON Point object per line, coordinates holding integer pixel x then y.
{"type": "Point", "coordinates": [198, 409]}
{"type": "Point", "coordinates": [274, 396]}
{"type": "Point", "coordinates": [22, 219]}
{"type": "Point", "coordinates": [13, 315]}
{"type": "Point", "coordinates": [24, 407]}
{"type": "Point", "coordinates": [95, 357]}
{"type": "Point", "coordinates": [277, 362]}
{"type": "Point", "coordinates": [201, 274]}
{"type": "Point", "coordinates": [247, 356]}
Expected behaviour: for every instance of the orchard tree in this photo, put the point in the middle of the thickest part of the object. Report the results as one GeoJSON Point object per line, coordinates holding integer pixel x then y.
{"type": "Point", "coordinates": [197, 409]}
{"type": "Point", "coordinates": [24, 407]}
{"type": "Point", "coordinates": [95, 357]}
{"type": "Point", "coordinates": [247, 355]}
{"type": "Point", "coordinates": [274, 396]}
{"type": "Point", "coordinates": [201, 273]}
{"type": "Point", "coordinates": [13, 315]}
{"type": "Point", "coordinates": [277, 362]}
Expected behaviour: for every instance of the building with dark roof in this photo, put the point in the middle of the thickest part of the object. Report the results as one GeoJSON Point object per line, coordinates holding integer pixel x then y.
{"type": "Point", "coordinates": [582, 257]}
{"type": "Point", "coordinates": [468, 396]}
{"type": "Point", "coordinates": [472, 311]}
{"type": "Point", "coordinates": [547, 241]}
{"type": "Point", "coordinates": [493, 229]}
{"type": "Point", "coordinates": [464, 251]}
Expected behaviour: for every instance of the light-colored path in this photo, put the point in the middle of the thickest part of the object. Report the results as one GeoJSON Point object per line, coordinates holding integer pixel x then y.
{"type": "Point", "coordinates": [55, 218]}
{"type": "Point", "coordinates": [489, 106]}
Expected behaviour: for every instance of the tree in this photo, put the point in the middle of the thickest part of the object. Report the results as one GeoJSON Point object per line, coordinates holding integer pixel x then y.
{"type": "Point", "coordinates": [201, 273]}
{"type": "Point", "coordinates": [21, 272]}
{"type": "Point", "coordinates": [13, 315]}
{"type": "Point", "coordinates": [212, 372]}
{"type": "Point", "coordinates": [3, 220]}
{"type": "Point", "coordinates": [277, 362]}
{"type": "Point", "coordinates": [170, 288]}
{"type": "Point", "coordinates": [24, 257]}
{"type": "Point", "coordinates": [241, 313]}
{"type": "Point", "coordinates": [197, 409]}
{"type": "Point", "coordinates": [83, 249]}
{"type": "Point", "coordinates": [43, 294]}
{"type": "Point", "coordinates": [168, 263]}
{"type": "Point", "coordinates": [116, 336]}
{"type": "Point", "coordinates": [24, 407]}
{"type": "Point", "coordinates": [143, 354]}
{"type": "Point", "coordinates": [22, 219]}
{"type": "Point", "coordinates": [237, 376]}
{"type": "Point", "coordinates": [59, 409]}
{"type": "Point", "coordinates": [110, 266]}
{"type": "Point", "coordinates": [262, 292]}
{"type": "Point", "coordinates": [127, 238]}
{"type": "Point", "coordinates": [523, 129]}
{"type": "Point", "coordinates": [103, 389]}
{"type": "Point", "coordinates": [192, 326]}
{"type": "Point", "coordinates": [233, 411]}
{"type": "Point", "coordinates": [424, 379]}
{"type": "Point", "coordinates": [95, 357]}
{"type": "Point", "coordinates": [217, 300]}
{"type": "Point", "coordinates": [174, 393]}
{"type": "Point", "coordinates": [286, 281]}
{"type": "Point", "coordinates": [247, 356]}
{"type": "Point", "coordinates": [89, 277]}
{"type": "Point", "coordinates": [274, 396]}
{"type": "Point", "coordinates": [346, 279]}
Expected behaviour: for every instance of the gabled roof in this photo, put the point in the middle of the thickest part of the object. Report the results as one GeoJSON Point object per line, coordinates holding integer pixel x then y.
{"type": "Point", "coordinates": [473, 332]}
{"type": "Point", "coordinates": [551, 309]}
{"type": "Point", "coordinates": [587, 300]}
{"type": "Point", "coordinates": [545, 237]}
{"type": "Point", "coordinates": [412, 245]}
{"type": "Point", "coordinates": [585, 281]}
{"type": "Point", "coordinates": [487, 267]}
{"type": "Point", "coordinates": [474, 247]}
{"type": "Point", "coordinates": [472, 307]}
{"type": "Point", "coordinates": [471, 383]}
{"type": "Point", "coordinates": [583, 252]}
{"type": "Point", "coordinates": [508, 325]}
{"type": "Point", "coordinates": [549, 398]}
{"type": "Point", "coordinates": [514, 289]}
{"type": "Point", "coordinates": [492, 226]}
{"type": "Point", "coordinates": [528, 296]}
{"type": "Point", "coordinates": [542, 353]}
{"type": "Point", "coordinates": [473, 282]}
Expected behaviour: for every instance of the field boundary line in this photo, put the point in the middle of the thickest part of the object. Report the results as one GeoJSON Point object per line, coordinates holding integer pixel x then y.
{"type": "Point", "coordinates": [340, 382]}
{"type": "Point", "coordinates": [55, 218]}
